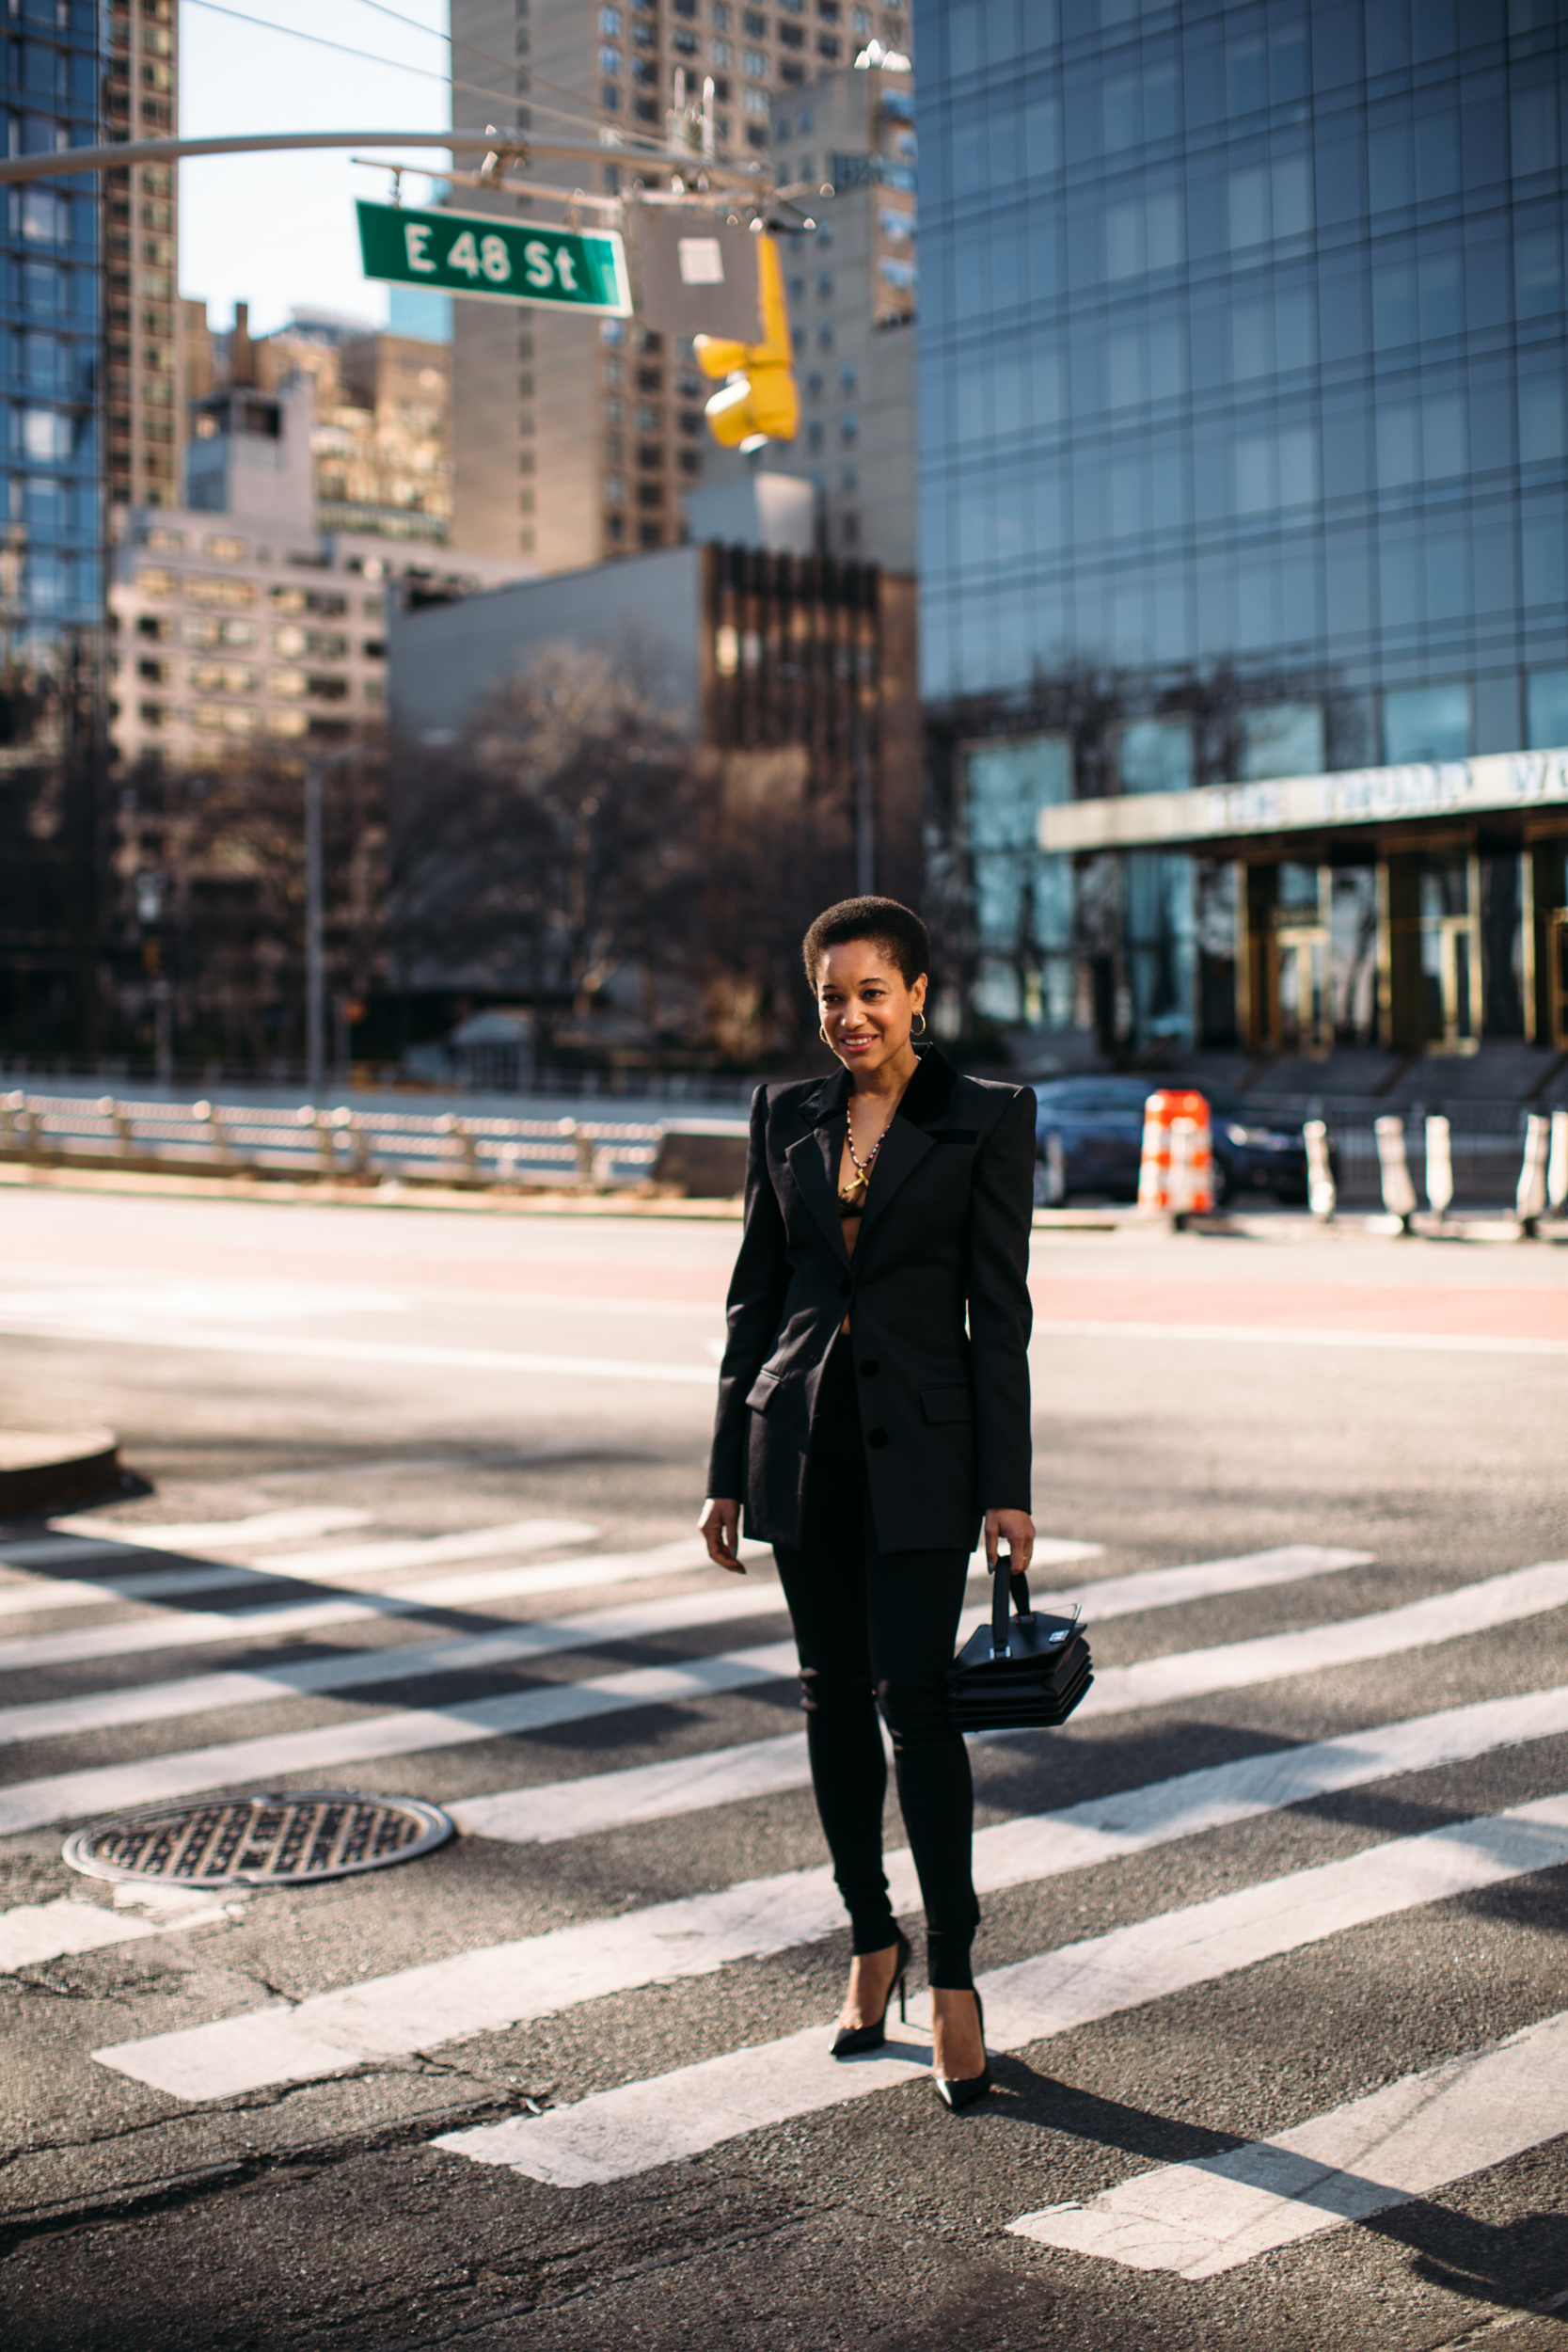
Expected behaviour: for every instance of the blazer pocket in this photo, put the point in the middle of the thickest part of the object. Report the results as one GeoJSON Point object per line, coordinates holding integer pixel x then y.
{"type": "Point", "coordinates": [760, 1394]}
{"type": "Point", "coordinates": [940, 1404]}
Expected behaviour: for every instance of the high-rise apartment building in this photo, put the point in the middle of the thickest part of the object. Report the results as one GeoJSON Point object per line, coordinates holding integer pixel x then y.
{"type": "Point", "coordinates": [1245, 522]}
{"type": "Point", "coordinates": [852, 285]}
{"type": "Point", "coordinates": [142, 406]}
{"type": "Point", "coordinates": [381, 435]}
{"type": "Point", "coordinates": [575, 440]}
{"type": "Point", "coordinates": [55, 65]}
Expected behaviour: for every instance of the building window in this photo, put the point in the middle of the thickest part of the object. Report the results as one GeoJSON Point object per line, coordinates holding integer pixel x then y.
{"type": "Point", "coordinates": [1546, 699]}
{"type": "Point", "coordinates": [1425, 723]}
{"type": "Point", "coordinates": [1282, 739]}
{"type": "Point", "coordinates": [755, 63]}
{"type": "Point", "coordinates": [1155, 755]}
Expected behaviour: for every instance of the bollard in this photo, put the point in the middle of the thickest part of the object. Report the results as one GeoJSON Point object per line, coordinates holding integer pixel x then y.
{"type": "Point", "coordinates": [1439, 1163]}
{"type": "Point", "coordinates": [217, 1134]}
{"type": "Point", "coordinates": [347, 1124]}
{"type": "Point", "coordinates": [1176, 1175]}
{"type": "Point", "coordinates": [1399, 1193]}
{"type": "Point", "coordinates": [1322, 1194]}
{"type": "Point", "coordinates": [119, 1119]}
{"type": "Point", "coordinates": [583, 1144]}
{"type": "Point", "coordinates": [1531, 1199]}
{"type": "Point", "coordinates": [467, 1143]}
{"type": "Point", "coordinates": [1556, 1163]}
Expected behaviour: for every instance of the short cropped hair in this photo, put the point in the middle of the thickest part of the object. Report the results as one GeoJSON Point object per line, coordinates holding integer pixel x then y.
{"type": "Point", "coordinates": [891, 926]}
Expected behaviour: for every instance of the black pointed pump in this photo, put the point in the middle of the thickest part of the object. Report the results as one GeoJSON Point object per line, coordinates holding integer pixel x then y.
{"type": "Point", "coordinates": [850, 2040]}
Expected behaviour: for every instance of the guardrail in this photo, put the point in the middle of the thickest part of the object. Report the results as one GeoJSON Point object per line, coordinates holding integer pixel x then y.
{"type": "Point", "coordinates": [338, 1144]}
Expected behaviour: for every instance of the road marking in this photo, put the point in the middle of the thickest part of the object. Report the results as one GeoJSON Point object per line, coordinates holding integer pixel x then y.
{"type": "Point", "coordinates": [379, 1353]}
{"type": "Point", "coordinates": [410, 1731]}
{"type": "Point", "coordinates": [160, 1701]}
{"type": "Point", "coordinates": [614, 2134]}
{"type": "Point", "coordinates": [294, 1523]}
{"type": "Point", "coordinates": [542, 1815]}
{"type": "Point", "coordinates": [34, 1933]}
{"type": "Point", "coordinates": [480, 1543]}
{"type": "Point", "coordinates": [501, 1985]}
{"type": "Point", "coordinates": [280, 1620]}
{"type": "Point", "coordinates": [1285, 1335]}
{"type": "Point", "coordinates": [1403, 2141]}
{"type": "Point", "coordinates": [346, 1669]}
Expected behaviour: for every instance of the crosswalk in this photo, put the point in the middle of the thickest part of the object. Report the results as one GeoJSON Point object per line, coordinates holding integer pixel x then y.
{"type": "Point", "coordinates": [374, 1648]}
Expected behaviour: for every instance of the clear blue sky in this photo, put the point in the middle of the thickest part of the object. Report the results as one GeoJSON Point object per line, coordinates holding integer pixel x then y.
{"type": "Point", "coordinates": [277, 230]}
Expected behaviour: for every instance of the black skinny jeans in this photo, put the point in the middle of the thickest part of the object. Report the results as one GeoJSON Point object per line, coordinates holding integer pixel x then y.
{"type": "Point", "coordinates": [877, 1629]}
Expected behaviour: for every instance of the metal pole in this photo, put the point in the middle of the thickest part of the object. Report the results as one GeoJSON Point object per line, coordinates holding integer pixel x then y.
{"type": "Point", "coordinates": [522, 145]}
{"type": "Point", "coordinates": [315, 954]}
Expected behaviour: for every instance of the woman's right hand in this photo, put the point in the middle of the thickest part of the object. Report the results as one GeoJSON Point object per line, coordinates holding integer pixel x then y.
{"type": "Point", "coordinates": [720, 1529]}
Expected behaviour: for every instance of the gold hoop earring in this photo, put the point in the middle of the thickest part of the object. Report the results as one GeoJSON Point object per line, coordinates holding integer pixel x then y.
{"type": "Point", "coordinates": [921, 1031]}
{"type": "Point", "coordinates": [823, 1035]}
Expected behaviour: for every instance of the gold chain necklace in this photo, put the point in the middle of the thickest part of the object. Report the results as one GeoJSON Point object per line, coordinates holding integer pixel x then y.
{"type": "Point", "coordinates": [847, 1199]}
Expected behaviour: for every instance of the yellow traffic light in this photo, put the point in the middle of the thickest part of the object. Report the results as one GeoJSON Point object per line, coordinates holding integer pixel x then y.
{"type": "Point", "coordinates": [761, 401]}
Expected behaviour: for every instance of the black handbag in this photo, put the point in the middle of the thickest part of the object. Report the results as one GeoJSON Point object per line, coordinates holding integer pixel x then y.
{"type": "Point", "coordinates": [1021, 1673]}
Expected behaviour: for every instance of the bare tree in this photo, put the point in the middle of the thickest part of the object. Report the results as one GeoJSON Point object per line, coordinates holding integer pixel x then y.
{"type": "Point", "coordinates": [556, 844]}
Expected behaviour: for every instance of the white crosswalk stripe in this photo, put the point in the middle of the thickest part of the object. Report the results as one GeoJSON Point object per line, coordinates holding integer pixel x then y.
{"type": "Point", "coordinates": [1521, 1593]}
{"type": "Point", "coordinates": [1414, 2136]}
{"type": "Point", "coordinates": [481, 1543]}
{"type": "Point", "coordinates": [99, 1710]}
{"type": "Point", "coordinates": [283, 1619]}
{"type": "Point", "coordinates": [501, 1985]}
{"type": "Point", "coordinates": [615, 2134]}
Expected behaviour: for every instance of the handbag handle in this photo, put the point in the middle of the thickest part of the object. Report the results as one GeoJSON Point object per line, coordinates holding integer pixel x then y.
{"type": "Point", "coordinates": [1006, 1582]}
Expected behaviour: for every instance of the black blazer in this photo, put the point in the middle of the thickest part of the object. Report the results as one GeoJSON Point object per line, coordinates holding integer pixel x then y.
{"type": "Point", "coordinates": [945, 1410]}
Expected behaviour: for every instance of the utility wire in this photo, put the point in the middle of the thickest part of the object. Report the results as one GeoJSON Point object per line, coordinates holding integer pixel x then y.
{"type": "Point", "coordinates": [489, 57]}
{"type": "Point", "coordinates": [369, 58]}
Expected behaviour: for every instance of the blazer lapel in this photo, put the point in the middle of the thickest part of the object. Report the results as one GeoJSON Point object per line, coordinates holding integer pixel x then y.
{"type": "Point", "coordinates": [905, 1144]}
{"type": "Point", "coordinates": [814, 1159]}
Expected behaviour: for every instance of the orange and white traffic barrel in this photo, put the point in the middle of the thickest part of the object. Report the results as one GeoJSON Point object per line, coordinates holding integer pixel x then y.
{"type": "Point", "coordinates": [1176, 1175]}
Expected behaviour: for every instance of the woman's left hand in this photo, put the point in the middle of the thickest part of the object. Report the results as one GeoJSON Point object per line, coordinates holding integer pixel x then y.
{"type": "Point", "coordinates": [1017, 1530]}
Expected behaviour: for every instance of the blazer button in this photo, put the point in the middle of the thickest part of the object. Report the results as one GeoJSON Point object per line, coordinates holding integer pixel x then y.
{"type": "Point", "coordinates": [876, 1436]}
{"type": "Point", "coordinates": [870, 1368]}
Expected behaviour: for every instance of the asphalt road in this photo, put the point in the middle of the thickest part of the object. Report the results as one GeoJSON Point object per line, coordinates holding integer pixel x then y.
{"type": "Point", "coordinates": [1273, 1930]}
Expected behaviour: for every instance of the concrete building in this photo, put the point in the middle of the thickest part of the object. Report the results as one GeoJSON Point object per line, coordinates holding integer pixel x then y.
{"type": "Point", "coordinates": [1245, 523]}
{"type": "Point", "coordinates": [575, 440]}
{"type": "Point", "coordinates": [239, 626]}
{"type": "Point", "coordinates": [852, 286]}
{"type": "Point", "coordinates": [143, 413]}
{"type": "Point", "coordinates": [381, 440]}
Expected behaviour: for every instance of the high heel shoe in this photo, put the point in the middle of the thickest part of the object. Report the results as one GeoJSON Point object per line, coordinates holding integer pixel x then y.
{"type": "Point", "coordinates": [966, 2088]}
{"type": "Point", "coordinates": [850, 2040]}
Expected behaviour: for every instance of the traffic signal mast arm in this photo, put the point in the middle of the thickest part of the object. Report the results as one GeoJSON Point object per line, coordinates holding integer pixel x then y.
{"type": "Point", "coordinates": [761, 400]}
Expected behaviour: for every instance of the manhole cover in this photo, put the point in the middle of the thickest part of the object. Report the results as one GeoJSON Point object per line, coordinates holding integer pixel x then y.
{"type": "Point", "coordinates": [290, 1838]}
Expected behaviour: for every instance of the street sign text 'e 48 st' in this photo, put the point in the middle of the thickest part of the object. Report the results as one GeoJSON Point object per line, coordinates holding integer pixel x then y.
{"type": "Point", "coordinates": [497, 259]}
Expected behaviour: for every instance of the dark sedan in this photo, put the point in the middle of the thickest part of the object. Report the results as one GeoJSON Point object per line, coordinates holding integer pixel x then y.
{"type": "Point", "coordinates": [1088, 1138]}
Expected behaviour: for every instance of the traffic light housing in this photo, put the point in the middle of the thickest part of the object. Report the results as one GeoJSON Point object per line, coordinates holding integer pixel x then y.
{"type": "Point", "coordinates": [760, 400]}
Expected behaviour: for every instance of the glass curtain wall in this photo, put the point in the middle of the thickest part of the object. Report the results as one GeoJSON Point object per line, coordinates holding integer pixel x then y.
{"type": "Point", "coordinates": [1244, 383]}
{"type": "Point", "coordinates": [53, 54]}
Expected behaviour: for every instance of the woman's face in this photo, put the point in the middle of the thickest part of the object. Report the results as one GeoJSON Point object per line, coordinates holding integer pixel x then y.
{"type": "Point", "coordinates": [865, 1003]}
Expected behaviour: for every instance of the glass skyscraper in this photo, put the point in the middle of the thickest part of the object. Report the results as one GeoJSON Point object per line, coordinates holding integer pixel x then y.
{"type": "Point", "coordinates": [55, 57]}
{"type": "Point", "coordinates": [1244, 426]}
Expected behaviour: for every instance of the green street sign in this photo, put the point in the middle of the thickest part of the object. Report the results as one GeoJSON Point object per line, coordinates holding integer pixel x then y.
{"type": "Point", "coordinates": [496, 259]}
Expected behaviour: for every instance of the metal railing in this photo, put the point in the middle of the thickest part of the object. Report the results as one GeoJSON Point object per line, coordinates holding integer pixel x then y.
{"type": "Point", "coordinates": [340, 1143]}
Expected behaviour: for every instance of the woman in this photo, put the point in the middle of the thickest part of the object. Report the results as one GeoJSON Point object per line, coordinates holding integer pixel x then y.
{"type": "Point", "coordinates": [869, 1432]}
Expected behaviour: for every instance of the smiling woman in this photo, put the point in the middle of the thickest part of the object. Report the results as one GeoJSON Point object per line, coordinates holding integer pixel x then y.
{"type": "Point", "coordinates": [873, 1409]}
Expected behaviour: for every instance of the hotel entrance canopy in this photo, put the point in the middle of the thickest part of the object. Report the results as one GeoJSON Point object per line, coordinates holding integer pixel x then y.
{"type": "Point", "coordinates": [1230, 813]}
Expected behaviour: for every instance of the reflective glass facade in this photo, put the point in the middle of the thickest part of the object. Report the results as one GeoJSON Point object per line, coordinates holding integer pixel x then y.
{"type": "Point", "coordinates": [54, 55]}
{"type": "Point", "coordinates": [1244, 419]}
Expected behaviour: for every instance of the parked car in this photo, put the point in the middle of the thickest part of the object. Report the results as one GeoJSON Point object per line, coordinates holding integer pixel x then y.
{"type": "Point", "coordinates": [1088, 1138]}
